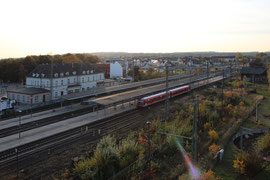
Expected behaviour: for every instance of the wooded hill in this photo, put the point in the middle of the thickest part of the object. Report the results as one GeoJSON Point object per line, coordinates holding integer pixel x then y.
{"type": "Point", "coordinates": [15, 70]}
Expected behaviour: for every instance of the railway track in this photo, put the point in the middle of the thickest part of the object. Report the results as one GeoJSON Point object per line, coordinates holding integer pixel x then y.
{"type": "Point", "coordinates": [109, 125]}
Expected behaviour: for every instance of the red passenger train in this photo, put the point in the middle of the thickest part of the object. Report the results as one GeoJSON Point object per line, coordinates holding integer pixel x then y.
{"type": "Point", "coordinates": [149, 100]}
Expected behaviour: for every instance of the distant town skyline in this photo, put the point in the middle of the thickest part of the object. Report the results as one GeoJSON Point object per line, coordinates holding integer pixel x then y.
{"type": "Point", "coordinates": [150, 26]}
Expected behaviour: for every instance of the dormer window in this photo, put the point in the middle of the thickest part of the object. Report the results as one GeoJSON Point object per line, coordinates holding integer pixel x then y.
{"type": "Point", "coordinates": [87, 71]}
{"type": "Point", "coordinates": [74, 72]}
{"type": "Point", "coordinates": [42, 75]}
{"type": "Point", "coordinates": [37, 75]}
{"type": "Point", "coordinates": [33, 74]}
{"type": "Point", "coordinates": [83, 72]}
{"type": "Point", "coordinates": [67, 73]}
{"type": "Point", "coordinates": [92, 71]}
{"type": "Point", "coordinates": [61, 74]}
{"type": "Point", "coordinates": [55, 75]}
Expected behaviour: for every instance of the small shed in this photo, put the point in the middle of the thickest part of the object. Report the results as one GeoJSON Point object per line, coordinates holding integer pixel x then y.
{"type": "Point", "coordinates": [254, 74]}
{"type": "Point", "coordinates": [29, 95]}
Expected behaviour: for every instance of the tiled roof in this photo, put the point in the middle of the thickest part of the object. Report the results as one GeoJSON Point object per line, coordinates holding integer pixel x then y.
{"type": "Point", "coordinates": [253, 70]}
{"type": "Point", "coordinates": [29, 91]}
{"type": "Point", "coordinates": [44, 70]}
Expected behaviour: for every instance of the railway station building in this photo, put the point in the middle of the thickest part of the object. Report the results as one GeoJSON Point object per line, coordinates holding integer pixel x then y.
{"type": "Point", "coordinates": [63, 79]}
{"type": "Point", "coordinates": [29, 95]}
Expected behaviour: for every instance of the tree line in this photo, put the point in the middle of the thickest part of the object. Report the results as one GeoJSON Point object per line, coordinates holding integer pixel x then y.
{"type": "Point", "coordinates": [16, 70]}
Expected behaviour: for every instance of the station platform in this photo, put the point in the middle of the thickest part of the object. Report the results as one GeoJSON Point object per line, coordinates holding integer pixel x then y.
{"type": "Point", "coordinates": [13, 141]}
{"type": "Point", "coordinates": [38, 116]}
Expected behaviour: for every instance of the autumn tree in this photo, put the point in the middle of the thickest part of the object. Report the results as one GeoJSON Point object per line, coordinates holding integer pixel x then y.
{"type": "Point", "coordinates": [260, 57]}
{"type": "Point", "coordinates": [238, 58]}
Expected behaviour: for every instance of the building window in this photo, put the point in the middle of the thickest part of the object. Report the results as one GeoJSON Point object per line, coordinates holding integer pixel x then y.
{"type": "Point", "coordinates": [93, 78]}
{"type": "Point", "coordinates": [82, 79]}
{"type": "Point", "coordinates": [13, 96]}
{"type": "Point", "coordinates": [23, 99]}
{"type": "Point", "coordinates": [62, 82]}
{"type": "Point", "coordinates": [36, 99]}
{"type": "Point", "coordinates": [47, 83]}
{"type": "Point", "coordinates": [28, 100]}
{"type": "Point", "coordinates": [56, 83]}
{"type": "Point", "coordinates": [100, 77]}
{"type": "Point", "coordinates": [68, 81]}
{"type": "Point", "coordinates": [88, 78]}
{"type": "Point", "coordinates": [74, 80]}
{"type": "Point", "coordinates": [56, 94]}
{"type": "Point", "coordinates": [18, 97]}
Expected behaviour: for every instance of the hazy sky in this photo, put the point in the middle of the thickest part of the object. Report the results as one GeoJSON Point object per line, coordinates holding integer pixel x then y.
{"type": "Point", "coordinates": [34, 27]}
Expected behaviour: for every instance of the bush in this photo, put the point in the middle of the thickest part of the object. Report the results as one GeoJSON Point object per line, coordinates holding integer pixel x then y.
{"type": "Point", "coordinates": [247, 163]}
{"type": "Point", "coordinates": [213, 118]}
{"type": "Point", "coordinates": [213, 135]}
{"type": "Point", "coordinates": [214, 148]}
{"type": "Point", "coordinates": [210, 175]}
{"type": "Point", "coordinates": [206, 126]}
{"type": "Point", "coordinates": [103, 164]}
{"type": "Point", "coordinates": [129, 151]}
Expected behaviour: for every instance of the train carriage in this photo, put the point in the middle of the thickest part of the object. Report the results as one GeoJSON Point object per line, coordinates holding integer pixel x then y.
{"type": "Point", "coordinates": [178, 91]}
{"type": "Point", "coordinates": [146, 101]}
{"type": "Point", "coordinates": [149, 100]}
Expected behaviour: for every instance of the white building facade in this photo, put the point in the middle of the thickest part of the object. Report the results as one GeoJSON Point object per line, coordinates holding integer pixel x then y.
{"type": "Point", "coordinates": [63, 79]}
{"type": "Point", "coordinates": [116, 70]}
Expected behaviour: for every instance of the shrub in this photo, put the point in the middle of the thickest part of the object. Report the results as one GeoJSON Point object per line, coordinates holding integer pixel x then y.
{"type": "Point", "coordinates": [228, 94]}
{"type": "Point", "coordinates": [210, 175]}
{"type": "Point", "coordinates": [213, 118]}
{"type": "Point", "coordinates": [242, 103]}
{"type": "Point", "coordinates": [247, 163]}
{"type": "Point", "coordinates": [214, 148]}
{"type": "Point", "coordinates": [128, 152]}
{"type": "Point", "coordinates": [206, 126]}
{"type": "Point", "coordinates": [103, 164]}
{"type": "Point", "coordinates": [213, 135]}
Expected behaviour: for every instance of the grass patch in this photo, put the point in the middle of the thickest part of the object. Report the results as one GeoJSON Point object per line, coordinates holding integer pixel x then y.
{"type": "Point", "coordinates": [263, 110]}
{"type": "Point", "coordinates": [225, 168]}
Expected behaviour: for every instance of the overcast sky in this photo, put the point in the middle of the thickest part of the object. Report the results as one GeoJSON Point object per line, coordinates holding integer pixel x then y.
{"type": "Point", "coordinates": [34, 27]}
